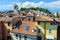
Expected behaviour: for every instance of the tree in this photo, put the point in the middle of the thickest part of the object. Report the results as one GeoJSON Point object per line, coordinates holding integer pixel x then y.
{"type": "Point", "coordinates": [10, 11]}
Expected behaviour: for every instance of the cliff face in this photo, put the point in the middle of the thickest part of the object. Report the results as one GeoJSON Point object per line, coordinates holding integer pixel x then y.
{"type": "Point", "coordinates": [3, 31]}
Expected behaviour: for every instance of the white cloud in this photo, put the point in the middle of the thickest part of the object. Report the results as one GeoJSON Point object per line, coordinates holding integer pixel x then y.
{"type": "Point", "coordinates": [9, 6]}
{"type": "Point", "coordinates": [31, 4]}
{"type": "Point", "coordinates": [55, 4]}
{"type": "Point", "coordinates": [52, 5]}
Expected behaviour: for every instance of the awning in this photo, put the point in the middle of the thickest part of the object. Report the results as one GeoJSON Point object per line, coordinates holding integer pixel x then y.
{"type": "Point", "coordinates": [49, 37]}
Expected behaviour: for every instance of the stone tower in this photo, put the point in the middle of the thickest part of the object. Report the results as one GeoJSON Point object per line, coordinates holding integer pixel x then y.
{"type": "Point", "coordinates": [16, 8]}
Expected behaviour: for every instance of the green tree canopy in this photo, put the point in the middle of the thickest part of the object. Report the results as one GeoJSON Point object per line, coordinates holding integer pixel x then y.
{"type": "Point", "coordinates": [36, 9]}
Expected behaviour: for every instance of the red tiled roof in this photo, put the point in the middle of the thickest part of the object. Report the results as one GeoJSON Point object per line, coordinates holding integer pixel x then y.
{"type": "Point", "coordinates": [3, 19]}
{"type": "Point", "coordinates": [29, 32]}
{"type": "Point", "coordinates": [57, 19]}
{"type": "Point", "coordinates": [43, 18]}
{"type": "Point", "coordinates": [9, 19]}
{"type": "Point", "coordinates": [29, 15]}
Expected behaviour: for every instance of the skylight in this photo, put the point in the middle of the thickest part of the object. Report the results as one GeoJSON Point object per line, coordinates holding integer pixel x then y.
{"type": "Point", "coordinates": [26, 28]}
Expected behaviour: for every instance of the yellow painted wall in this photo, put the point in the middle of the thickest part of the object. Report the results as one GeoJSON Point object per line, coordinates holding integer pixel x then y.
{"type": "Point", "coordinates": [8, 27]}
{"type": "Point", "coordinates": [41, 27]}
{"type": "Point", "coordinates": [48, 25]}
{"type": "Point", "coordinates": [54, 29]}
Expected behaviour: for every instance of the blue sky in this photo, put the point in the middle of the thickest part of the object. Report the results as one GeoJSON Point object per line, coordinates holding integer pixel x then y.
{"type": "Point", "coordinates": [51, 5]}
{"type": "Point", "coordinates": [37, 0]}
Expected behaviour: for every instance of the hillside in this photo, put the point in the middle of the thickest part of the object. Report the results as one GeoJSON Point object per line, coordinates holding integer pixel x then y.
{"type": "Point", "coordinates": [36, 9]}
{"type": "Point", "coordinates": [28, 9]}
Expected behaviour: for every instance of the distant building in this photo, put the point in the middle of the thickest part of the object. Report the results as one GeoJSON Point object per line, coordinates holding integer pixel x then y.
{"type": "Point", "coordinates": [8, 21]}
{"type": "Point", "coordinates": [33, 25]}
{"type": "Point", "coordinates": [27, 31]}
{"type": "Point", "coordinates": [16, 8]}
{"type": "Point", "coordinates": [55, 14]}
{"type": "Point", "coordinates": [58, 14]}
{"type": "Point", "coordinates": [48, 27]}
{"type": "Point", "coordinates": [43, 28]}
{"type": "Point", "coordinates": [26, 16]}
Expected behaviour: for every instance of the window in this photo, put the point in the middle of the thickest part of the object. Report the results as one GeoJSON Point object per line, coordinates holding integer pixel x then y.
{"type": "Point", "coordinates": [16, 35]}
{"type": "Point", "coordinates": [39, 23]}
{"type": "Point", "coordinates": [26, 28]}
{"type": "Point", "coordinates": [39, 30]}
{"type": "Point", "coordinates": [24, 14]}
{"type": "Point", "coordinates": [10, 16]}
{"type": "Point", "coordinates": [53, 23]}
{"type": "Point", "coordinates": [9, 23]}
{"type": "Point", "coordinates": [8, 37]}
{"type": "Point", "coordinates": [49, 39]}
{"type": "Point", "coordinates": [39, 38]}
{"type": "Point", "coordinates": [50, 31]}
{"type": "Point", "coordinates": [25, 37]}
{"type": "Point", "coordinates": [22, 19]}
{"type": "Point", "coordinates": [29, 19]}
{"type": "Point", "coordinates": [8, 30]}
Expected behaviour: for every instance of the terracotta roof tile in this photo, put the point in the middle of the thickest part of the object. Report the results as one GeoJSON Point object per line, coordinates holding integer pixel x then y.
{"type": "Point", "coordinates": [16, 16]}
{"type": "Point", "coordinates": [9, 19]}
{"type": "Point", "coordinates": [29, 32]}
{"type": "Point", "coordinates": [43, 18]}
{"type": "Point", "coordinates": [29, 14]}
{"type": "Point", "coordinates": [3, 19]}
{"type": "Point", "coordinates": [57, 19]}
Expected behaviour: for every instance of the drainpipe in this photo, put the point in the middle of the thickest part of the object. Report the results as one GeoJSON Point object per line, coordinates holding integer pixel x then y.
{"type": "Point", "coordinates": [44, 30]}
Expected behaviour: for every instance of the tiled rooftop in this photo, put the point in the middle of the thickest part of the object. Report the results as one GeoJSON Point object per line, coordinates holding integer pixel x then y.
{"type": "Point", "coordinates": [57, 19]}
{"type": "Point", "coordinates": [29, 31]}
{"type": "Point", "coordinates": [44, 18]}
